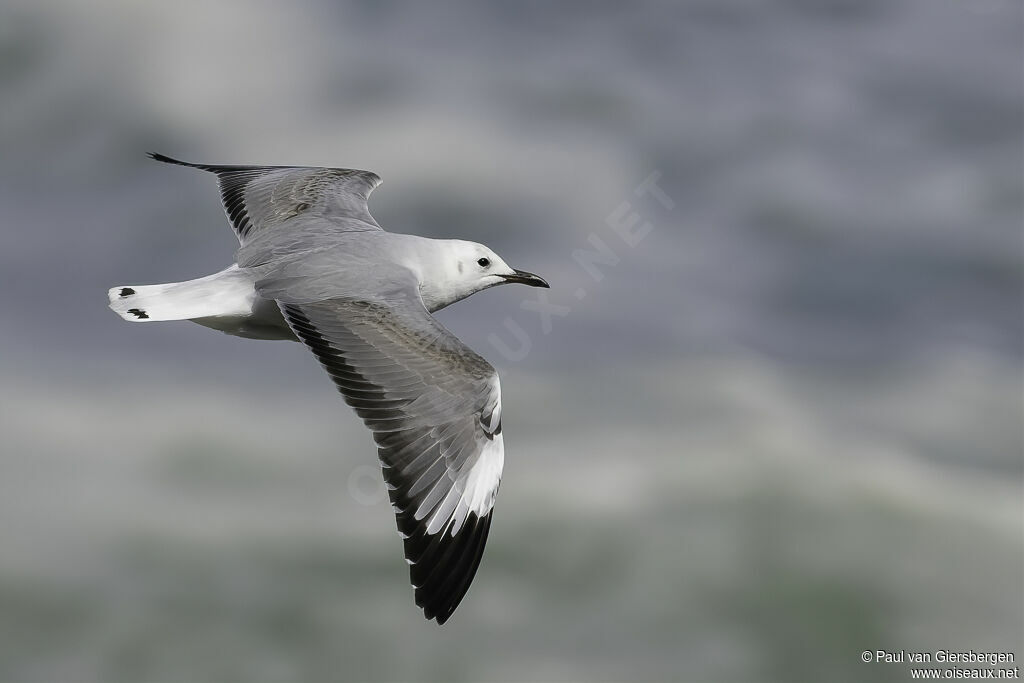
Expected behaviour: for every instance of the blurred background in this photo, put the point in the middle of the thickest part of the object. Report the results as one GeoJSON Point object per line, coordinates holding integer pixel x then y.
{"type": "Point", "coordinates": [780, 426]}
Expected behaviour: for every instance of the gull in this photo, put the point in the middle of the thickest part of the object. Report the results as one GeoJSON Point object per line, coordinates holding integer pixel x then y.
{"type": "Point", "coordinates": [314, 266]}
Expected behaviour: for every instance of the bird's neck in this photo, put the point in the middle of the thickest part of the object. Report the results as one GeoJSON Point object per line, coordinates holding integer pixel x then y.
{"type": "Point", "coordinates": [441, 283]}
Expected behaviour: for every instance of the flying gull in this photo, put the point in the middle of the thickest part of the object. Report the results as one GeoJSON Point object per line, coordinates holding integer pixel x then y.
{"type": "Point", "coordinates": [314, 266]}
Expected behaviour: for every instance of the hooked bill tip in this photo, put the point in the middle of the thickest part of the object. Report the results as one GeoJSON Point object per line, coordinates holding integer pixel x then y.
{"type": "Point", "coordinates": [525, 278]}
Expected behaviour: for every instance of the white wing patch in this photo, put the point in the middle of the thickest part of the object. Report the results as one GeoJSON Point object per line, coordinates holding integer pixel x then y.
{"type": "Point", "coordinates": [474, 491]}
{"type": "Point", "coordinates": [485, 475]}
{"type": "Point", "coordinates": [474, 488]}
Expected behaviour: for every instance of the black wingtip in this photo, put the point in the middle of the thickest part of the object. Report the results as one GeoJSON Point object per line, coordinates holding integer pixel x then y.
{"type": "Point", "coordinates": [156, 156]}
{"type": "Point", "coordinates": [444, 570]}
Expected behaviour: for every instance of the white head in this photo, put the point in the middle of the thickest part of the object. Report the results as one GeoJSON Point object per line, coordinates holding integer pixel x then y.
{"type": "Point", "coordinates": [462, 268]}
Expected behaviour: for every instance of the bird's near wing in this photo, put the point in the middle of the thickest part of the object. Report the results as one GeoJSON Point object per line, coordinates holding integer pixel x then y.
{"type": "Point", "coordinates": [434, 407]}
{"type": "Point", "coordinates": [258, 198]}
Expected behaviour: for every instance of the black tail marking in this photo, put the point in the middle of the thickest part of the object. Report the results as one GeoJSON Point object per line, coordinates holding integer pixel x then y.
{"type": "Point", "coordinates": [127, 291]}
{"type": "Point", "coordinates": [138, 313]}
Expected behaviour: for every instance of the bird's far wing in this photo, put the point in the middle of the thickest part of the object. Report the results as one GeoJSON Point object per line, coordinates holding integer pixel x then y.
{"type": "Point", "coordinates": [434, 407]}
{"type": "Point", "coordinates": [258, 198]}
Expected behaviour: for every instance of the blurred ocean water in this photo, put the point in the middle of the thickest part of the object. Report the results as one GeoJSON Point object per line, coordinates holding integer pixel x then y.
{"type": "Point", "coordinates": [782, 428]}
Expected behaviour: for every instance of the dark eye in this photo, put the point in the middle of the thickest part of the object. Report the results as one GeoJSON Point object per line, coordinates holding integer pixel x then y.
{"type": "Point", "coordinates": [484, 262]}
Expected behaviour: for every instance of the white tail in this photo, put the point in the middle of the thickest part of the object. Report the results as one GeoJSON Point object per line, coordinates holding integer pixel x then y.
{"type": "Point", "coordinates": [217, 295]}
{"type": "Point", "coordinates": [225, 301]}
